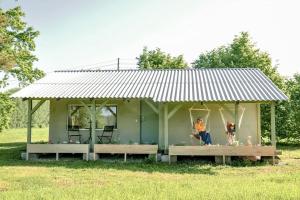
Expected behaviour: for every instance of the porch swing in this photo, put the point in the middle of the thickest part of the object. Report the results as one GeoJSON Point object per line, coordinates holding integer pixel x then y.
{"type": "Point", "coordinates": [227, 123]}
{"type": "Point", "coordinates": [205, 116]}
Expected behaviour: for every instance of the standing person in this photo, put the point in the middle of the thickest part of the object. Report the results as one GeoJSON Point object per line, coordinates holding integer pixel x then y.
{"type": "Point", "coordinates": [201, 132]}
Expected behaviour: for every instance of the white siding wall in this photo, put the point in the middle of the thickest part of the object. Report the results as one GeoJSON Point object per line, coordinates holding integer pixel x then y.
{"type": "Point", "coordinates": [179, 124]}
{"type": "Point", "coordinates": [128, 120]}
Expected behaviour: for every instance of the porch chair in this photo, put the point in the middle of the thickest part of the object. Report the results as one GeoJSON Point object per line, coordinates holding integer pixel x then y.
{"type": "Point", "coordinates": [106, 134]}
{"type": "Point", "coordinates": [73, 131]}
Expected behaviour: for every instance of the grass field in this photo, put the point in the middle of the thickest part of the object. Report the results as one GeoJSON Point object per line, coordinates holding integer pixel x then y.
{"type": "Point", "coordinates": [102, 180]}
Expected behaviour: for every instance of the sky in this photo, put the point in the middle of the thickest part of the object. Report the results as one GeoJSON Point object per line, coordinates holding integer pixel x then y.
{"type": "Point", "coordinates": [75, 34]}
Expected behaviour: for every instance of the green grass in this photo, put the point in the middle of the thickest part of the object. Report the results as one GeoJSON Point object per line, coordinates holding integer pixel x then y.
{"type": "Point", "coordinates": [102, 180]}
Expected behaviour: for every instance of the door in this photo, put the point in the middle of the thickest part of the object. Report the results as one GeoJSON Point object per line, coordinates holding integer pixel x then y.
{"type": "Point", "coordinates": [149, 124]}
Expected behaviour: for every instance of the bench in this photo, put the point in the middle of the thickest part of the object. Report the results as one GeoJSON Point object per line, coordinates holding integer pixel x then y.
{"type": "Point", "coordinates": [125, 149]}
{"type": "Point", "coordinates": [57, 149]}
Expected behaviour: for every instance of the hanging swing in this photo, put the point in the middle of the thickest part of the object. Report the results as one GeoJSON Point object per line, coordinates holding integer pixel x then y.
{"type": "Point", "coordinates": [205, 116]}
{"type": "Point", "coordinates": [221, 110]}
{"type": "Point", "coordinates": [227, 123]}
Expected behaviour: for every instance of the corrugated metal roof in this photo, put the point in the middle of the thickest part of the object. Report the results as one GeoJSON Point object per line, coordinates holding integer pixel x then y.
{"type": "Point", "coordinates": [187, 85]}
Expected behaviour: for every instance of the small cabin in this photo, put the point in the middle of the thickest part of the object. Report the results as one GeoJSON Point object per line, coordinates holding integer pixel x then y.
{"type": "Point", "coordinates": [150, 111]}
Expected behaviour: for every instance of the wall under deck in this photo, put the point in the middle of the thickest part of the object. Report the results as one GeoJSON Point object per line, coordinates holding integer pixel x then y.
{"type": "Point", "coordinates": [128, 120]}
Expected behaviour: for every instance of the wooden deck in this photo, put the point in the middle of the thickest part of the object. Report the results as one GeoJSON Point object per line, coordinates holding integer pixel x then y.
{"type": "Point", "coordinates": [57, 149]}
{"type": "Point", "coordinates": [222, 150]}
{"type": "Point", "coordinates": [125, 149]}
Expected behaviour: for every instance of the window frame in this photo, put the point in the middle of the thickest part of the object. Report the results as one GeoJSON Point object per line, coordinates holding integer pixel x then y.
{"type": "Point", "coordinates": [90, 105]}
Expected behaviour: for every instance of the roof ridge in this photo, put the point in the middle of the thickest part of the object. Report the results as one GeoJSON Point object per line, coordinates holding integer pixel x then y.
{"type": "Point", "coordinates": [187, 69]}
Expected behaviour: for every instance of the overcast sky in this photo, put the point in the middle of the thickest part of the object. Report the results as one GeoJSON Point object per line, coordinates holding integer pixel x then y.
{"type": "Point", "coordinates": [85, 32]}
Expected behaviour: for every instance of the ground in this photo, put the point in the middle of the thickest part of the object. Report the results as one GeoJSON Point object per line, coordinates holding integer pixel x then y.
{"type": "Point", "coordinates": [140, 180]}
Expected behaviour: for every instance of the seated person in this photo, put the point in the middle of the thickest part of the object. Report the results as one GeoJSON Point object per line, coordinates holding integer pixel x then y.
{"type": "Point", "coordinates": [200, 128]}
{"type": "Point", "coordinates": [230, 132]}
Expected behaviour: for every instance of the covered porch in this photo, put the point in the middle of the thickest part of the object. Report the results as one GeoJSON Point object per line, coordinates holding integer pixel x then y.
{"type": "Point", "coordinates": [166, 144]}
{"type": "Point", "coordinates": [86, 140]}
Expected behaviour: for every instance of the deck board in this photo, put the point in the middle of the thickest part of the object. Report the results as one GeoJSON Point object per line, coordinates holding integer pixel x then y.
{"type": "Point", "coordinates": [221, 150]}
{"type": "Point", "coordinates": [125, 149]}
{"type": "Point", "coordinates": [57, 148]}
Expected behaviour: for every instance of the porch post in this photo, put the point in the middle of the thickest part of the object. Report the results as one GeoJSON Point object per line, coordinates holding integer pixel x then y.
{"type": "Point", "coordinates": [160, 127]}
{"type": "Point", "coordinates": [29, 121]}
{"type": "Point", "coordinates": [258, 124]}
{"type": "Point", "coordinates": [166, 127]}
{"type": "Point", "coordinates": [273, 129]}
{"type": "Point", "coordinates": [236, 119]}
{"type": "Point", "coordinates": [93, 119]}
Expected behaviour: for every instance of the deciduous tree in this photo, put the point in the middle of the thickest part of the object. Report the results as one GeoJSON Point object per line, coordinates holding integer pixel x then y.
{"type": "Point", "coordinates": [16, 55]}
{"type": "Point", "coordinates": [157, 59]}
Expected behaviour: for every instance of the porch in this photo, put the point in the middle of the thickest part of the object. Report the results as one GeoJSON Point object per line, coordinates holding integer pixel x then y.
{"type": "Point", "coordinates": [58, 149]}
{"type": "Point", "coordinates": [173, 129]}
{"type": "Point", "coordinates": [223, 151]}
{"type": "Point", "coordinates": [124, 149]}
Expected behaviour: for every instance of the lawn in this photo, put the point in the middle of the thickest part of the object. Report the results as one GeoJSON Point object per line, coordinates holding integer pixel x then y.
{"type": "Point", "coordinates": [105, 180]}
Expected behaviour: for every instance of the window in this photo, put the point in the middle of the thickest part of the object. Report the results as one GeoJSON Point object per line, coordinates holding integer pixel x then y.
{"type": "Point", "coordinates": [106, 115]}
{"type": "Point", "coordinates": [78, 116]}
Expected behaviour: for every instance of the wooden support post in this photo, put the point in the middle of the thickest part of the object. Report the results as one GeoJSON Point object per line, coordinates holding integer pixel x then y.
{"type": "Point", "coordinates": [224, 160]}
{"type": "Point", "coordinates": [175, 109]}
{"type": "Point", "coordinates": [258, 124]}
{"type": "Point", "coordinates": [152, 106]}
{"type": "Point", "coordinates": [29, 121]}
{"type": "Point", "coordinates": [125, 157]}
{"type": "Point", "coordinates": [87, 155]}
{"type": "Point", "coordinates": [236, 119]}
{"type": "Point", "coordinates": [273, 129]}
{"type": "Point", "coordinates": [160, 127]}
{"type": "Point", "coordinates": [166, 128]}
{"type": "Point", "coordinates": [93, 119]}
{"type": "Point", "coordinates": [57, 156]}
{"type": "Point", "coordinates": [37, 106]}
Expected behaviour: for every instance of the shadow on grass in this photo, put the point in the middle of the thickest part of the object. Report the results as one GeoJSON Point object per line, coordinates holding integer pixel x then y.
{"type": "Point", "coordinates": [10, 156]}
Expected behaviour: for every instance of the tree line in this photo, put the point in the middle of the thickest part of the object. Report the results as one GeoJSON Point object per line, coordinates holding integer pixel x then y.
{"type": "Point", "coordinates": [16, 60]}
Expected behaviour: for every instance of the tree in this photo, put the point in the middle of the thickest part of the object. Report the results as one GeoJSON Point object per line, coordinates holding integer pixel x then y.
{"type": "Point", "coordinates": [16, 55]}
{"type": "Point", "coordinates": [18, 117]}
{"type": "Point", "coordinates": [157, 59]}
{"type": "Point", "coordinates": [243, 53]}
{"type": "Point", "coordinates": [293, 107]}
{"type": "Point", "coordinates": [6, 106]}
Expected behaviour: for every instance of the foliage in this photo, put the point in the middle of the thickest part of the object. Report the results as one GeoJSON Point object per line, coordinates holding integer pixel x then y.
{"type": "Point", "coordinates": [18, 116]}
{"type": "Point", "coordinates": [293, 107]}
{"type": "Point", "coordinates": [243, 53]}
{"type": "Point", "coordinates": [16, 57]}
{"type": "Point", "coordinates": [157, 59]}
{"type": "Point", "coordinates": [16, 47]}
{"type": "Point", "coordinates": [6, 107]}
